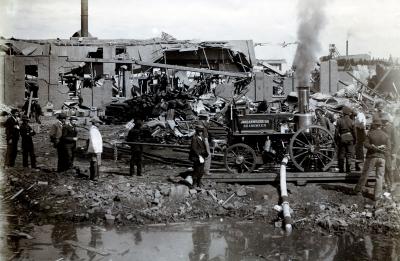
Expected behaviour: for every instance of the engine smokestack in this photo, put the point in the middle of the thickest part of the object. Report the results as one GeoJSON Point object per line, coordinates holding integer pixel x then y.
{"type": "Point", "coordinates": [347, 48]}
{"type": "Point", "coordinates": [84, 18]}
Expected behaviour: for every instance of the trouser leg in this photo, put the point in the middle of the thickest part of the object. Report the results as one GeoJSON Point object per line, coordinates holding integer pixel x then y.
{"type": "Point", "coordinates": [380, 172]}
{"type": "Point", "coordinates": [11, 153]}
{"type": "Point", "coordinates": [25, 152]}
{"type": "Point", "coordinates": [61, 159]}
{"type": "Point", "coordinates": [388, 172]}
{"type": "Point", "coordinates": [349, 156]}
{"type": "Point", "coordinates": [341, 165]}
{"type": "Point", "coordinates": [364, 174]}
{"type": "Point", "coordinates": [68, 157]}
{"type": "Point", "coordinates": [132, 164]}
{"type": "Point", "coordinates": [33, 158]}
{"type": "Point", "coordinates": [94, 167]}
{"type": "Point", "coordinates": [207, 161]}
{"type": "Point", "coordinates": [198, 172]}
{"type": "Point", "coordinates": [139, 164]}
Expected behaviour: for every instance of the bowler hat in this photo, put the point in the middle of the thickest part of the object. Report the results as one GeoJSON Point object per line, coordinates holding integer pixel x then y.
{"type": "Point", "coordinates": [199, 127]}
{"type": "Point", "coordinates": [347, 110]}
{"type": "Point", "coordinates": [95, 119]}
{"type": "Point", "coordinates": [61, 116]}
{"type": "Point", "coordinates": [13, 111]}
{"type": "Point", "coordinates": [376, 121]}
{"type": "Point", "coordinates": [203, 113]}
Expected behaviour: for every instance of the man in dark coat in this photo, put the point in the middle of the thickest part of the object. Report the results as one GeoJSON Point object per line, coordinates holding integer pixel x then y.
{"type": "Point", "coordinates": [378, 146]}
{"type": "Point", "coordinates": [68, 140]}
{"type": "Point", "coordinates": [55, 138]}
{"type": "Point", "coordinates": [387, 127]}
{"type": "Point", "coordinates": [12, 137]}
{"type": "Point", "coordinates": [204, 121]}
{"type": "Point", "coordinates": [360, 125]}
{"type": "Point", "coordinates": [345, 137]}
{"type": "Point", "coordinates": [198, 154]}
{"type": "Point", "coordinates": [27, 144]}
{"type": "Point", "coordinates": [135, 135]}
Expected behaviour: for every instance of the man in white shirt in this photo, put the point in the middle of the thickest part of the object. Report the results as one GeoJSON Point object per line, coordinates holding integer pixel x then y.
{"type": "Point", "coordinates": [95, 148]}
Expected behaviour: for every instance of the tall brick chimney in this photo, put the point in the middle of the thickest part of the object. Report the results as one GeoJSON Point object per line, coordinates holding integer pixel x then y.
{"type": "Point", "coordinates": [84, 18]}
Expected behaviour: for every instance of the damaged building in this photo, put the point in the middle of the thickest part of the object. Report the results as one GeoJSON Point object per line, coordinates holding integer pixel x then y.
{"type": "Point", "coordinates": [57, 68]}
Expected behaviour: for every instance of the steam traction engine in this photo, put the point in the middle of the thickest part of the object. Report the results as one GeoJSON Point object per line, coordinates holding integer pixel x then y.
{"type": "Point", "coordinates": [257, 139]}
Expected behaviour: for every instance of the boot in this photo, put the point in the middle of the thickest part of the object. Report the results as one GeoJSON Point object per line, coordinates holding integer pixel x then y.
{"type": "Point", "coordinates": [341, 165]}
{"type": "Point", "coordinates": [358, 168]}
{"type": "Point", "coordinates": [93, 170]}
{"type": "Point", "coordinates": [348, 168]}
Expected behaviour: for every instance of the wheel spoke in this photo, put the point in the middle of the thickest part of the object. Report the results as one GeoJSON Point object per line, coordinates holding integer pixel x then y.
{"type": "Point", "coordinates": [300, 148]}
{"type": "Point", "coordinates": [323, 163]}
{"type": "Point", "coordinates": [324, 155]}
{"type": "Point", "coordinates": [309, 143]}
{"type": "Point", "coordinates": [329, 149]}
{"type": "Point", "coordinates": [248, 169]}
{"type": "Point", "coordinates": [301, 162]}
{"type": "Point", "coordinates": [301, 142]}
{"type": "Point", "coordinates": [298, 155]}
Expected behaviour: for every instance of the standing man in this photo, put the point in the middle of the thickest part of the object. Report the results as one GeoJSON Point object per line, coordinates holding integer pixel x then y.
{"type": "Point", "coordinates": [379, 110]}
{"type": "Point", "coordinates": [360, 125]}
{"type": "Point", "coordinates": [197, 154]}
{"type": "Point", "coordinates": [378, 145]}
{"type": "Point", "coordinates": [95, 148]}
{"type": "Point", "coordinates": [387, 127]}
{"type": "Point", "coordinates": [12, 137]}
{"type": "Point", "coordinates": [135, 135]}
{"type": "Point", "coordinates": [55, 138]}
{"type": "Point", "coordinates": [69, 138]}
{"type": "Point", "coordinates": [27, 144]}
{"type": "Point", "coordinates": [345, 137]}
{"type": "Point", "coordinates": [203, 121]}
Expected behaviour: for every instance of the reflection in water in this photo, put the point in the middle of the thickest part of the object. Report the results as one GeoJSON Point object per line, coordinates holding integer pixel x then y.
{"type": "Point", "coordinates": [200, 242]}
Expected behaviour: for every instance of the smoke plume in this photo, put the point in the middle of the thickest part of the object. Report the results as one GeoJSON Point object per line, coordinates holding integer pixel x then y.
{"type": "Point", "coordinates": [311, 17]}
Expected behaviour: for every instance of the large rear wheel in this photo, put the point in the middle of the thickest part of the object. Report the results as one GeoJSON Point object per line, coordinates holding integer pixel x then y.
{"type": "Point", "coordinates": [312, 149]}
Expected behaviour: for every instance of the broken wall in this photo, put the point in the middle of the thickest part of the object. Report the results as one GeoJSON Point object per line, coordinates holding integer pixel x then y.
{"type": "Point", "coordinates": [2, 77]}
{"type": "Point", "coordinates": [329, 77]}
{"type": "Point", "coordinates": [14, 89]}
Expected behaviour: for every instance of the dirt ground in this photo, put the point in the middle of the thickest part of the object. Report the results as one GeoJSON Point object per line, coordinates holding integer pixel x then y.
{"type": "Point", "coordinates": [119, 199]}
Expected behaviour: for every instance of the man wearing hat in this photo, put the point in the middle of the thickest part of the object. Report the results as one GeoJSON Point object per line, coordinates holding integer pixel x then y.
{"type": "Point", "coordinates": [197, 154]}
{"type": "Point", "coordinates": [345, 137]}
{"type": "Point", "coordinates": [95, 148]}
{"type": "Point", "coordinates": [378, 145]}
{"type": "Point", "coordinates": [203, 121]}
{"type": "Point", "coordinates": [55, 138]}
{"type": "Point", "coordinates": [12, 137]}
{"type": "Point", "coordinates": [68, 139]}
{"type": "Point", "coordinates": [27, 144]}
{"type": "Point", "coordinates": [135, 135]}
{"type": "Point", "coordinates": [387, 127]}
{"type": "Point", "coordinates": [379, 110]}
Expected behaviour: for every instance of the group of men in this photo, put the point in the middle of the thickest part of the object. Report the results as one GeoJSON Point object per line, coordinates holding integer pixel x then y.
{"type": "Point", "coordinates": [13, 131]}
{"type": "Point", "coordinates": [380, 142]}
{"type": "Point", "coordinates": [64, 136]}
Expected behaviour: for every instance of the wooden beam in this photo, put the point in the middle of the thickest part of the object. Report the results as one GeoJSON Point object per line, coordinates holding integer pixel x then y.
{"type": "Point", "coordinates": [382, 79]}
{"type": "Point", "coordinates": [161, 65]}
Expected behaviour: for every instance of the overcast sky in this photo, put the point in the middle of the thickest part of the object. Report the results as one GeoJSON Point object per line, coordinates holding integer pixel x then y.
{"type": "Point", "coordinates": [372, 26]}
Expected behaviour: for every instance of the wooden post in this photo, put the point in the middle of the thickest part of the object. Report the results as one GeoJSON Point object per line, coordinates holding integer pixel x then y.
{"type": "Point", "coordinates": [30, 104]}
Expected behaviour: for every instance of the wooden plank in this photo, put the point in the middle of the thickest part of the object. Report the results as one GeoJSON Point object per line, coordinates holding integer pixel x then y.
{"type": "Point", "coordinates": [291, 176]}
{"type": "Point", "coordinates": [88, 248]}
{"type": "Point", "coordinates": [155, 144]}
{"type": "Point", "coordinates": [161, 65]}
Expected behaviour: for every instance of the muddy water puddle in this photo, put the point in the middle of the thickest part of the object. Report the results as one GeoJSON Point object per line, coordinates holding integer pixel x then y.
{"type": "Point", "coordinates": [214, 241]}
